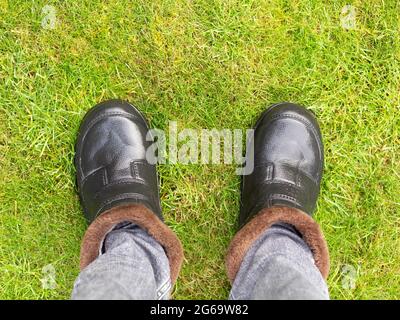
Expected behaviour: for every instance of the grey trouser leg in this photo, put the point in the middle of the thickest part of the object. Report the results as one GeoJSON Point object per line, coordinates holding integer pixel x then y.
{"type": "Point", "coordinates": [132, 266]}
{"type": "Point", "coordinates": [279, 265]}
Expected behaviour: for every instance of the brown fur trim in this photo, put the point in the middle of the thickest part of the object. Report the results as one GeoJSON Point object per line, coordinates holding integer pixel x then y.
{"type": "Point", "coordinates": [304, 224]}
{"type": "Point", "coordinates": [144, 218]}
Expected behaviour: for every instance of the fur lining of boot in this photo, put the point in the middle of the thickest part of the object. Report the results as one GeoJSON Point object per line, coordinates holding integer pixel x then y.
{"type": "Point", "coordinates": [304, 224]}
{"type": "Point", "coordinates": [144, 218]}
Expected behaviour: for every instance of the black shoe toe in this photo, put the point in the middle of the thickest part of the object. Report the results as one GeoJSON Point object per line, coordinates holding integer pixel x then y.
{"type": "Point", "coordinates": [288, 161]}
{"type": "Point", "coordinates": [111, 160]}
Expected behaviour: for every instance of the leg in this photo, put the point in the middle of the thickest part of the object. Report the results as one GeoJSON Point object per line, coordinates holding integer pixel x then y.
{"type": "Point", "coordinates": [118, 186]}
{"type": "Point", "coordinates": [279, 265]}
{"type": "Point", "coordinates": [280, 251]}
{"type": "Point", "coordinates": [132, 266]}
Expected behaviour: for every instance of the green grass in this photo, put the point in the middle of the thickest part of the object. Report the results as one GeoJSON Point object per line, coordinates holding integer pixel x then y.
{"type": "Point", "coordinates": [206, 64]}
